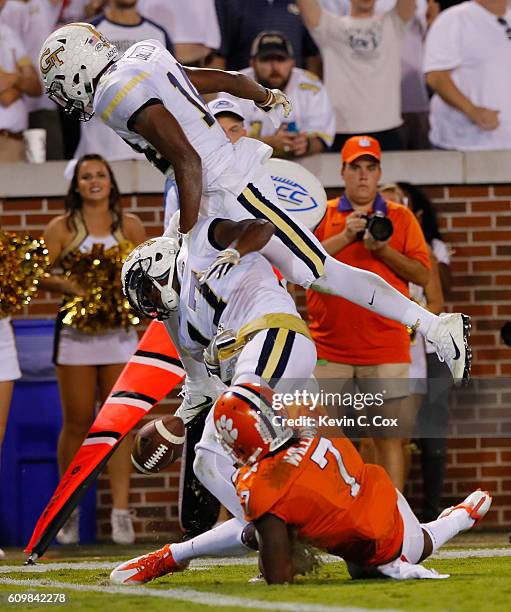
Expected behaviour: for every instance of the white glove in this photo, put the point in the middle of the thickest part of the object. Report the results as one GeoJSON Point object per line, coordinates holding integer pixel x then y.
{"type": "Point", "coordinates": [224, 261]}
{"type": "Point", "coordinates": [275, 98]}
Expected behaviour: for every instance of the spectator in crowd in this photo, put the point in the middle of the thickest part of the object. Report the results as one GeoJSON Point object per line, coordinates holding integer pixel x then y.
{"type": "Point", "coordinates": [311, 126]}
{"type": "Point", "coordinates": [467, 59]}
{"type": "Point", "coordinates": [361, 56]}
{"type": "Point", "coordinates": [86, 361]}
{"type": "Point", "coordinates": [123, 25]}
{"type": "Point", "coordinates": [434, 412]}
{"type": "Point", "coordinates": [359, 344]}
{"type": "Point", "coordinates": [38, 20]}
{"type": "Point", "coordinates": [192, 25]}
{"type": "Point", "coordinates": [17, 77]}
{"type": "Point", "coordinates": [414, 94]}
{"type": "Point", "coordinates": [242, 20]}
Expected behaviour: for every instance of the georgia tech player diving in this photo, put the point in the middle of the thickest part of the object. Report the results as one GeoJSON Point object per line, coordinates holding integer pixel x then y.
{"type": "Point", "coordinates": [154, 104]}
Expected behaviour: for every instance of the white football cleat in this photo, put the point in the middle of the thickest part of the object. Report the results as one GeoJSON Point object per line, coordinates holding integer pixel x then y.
{"type": "Point", "coordinates": [449, 334]}
{"type": "Point", "coordinates": [146, 567]}
{"type": "Point", "coordinates": [199, 396]}
{"type": "Point", "coordinates": [476, 505]}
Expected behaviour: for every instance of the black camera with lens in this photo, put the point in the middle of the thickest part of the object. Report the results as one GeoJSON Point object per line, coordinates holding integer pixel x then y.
{"type": "Point", "coordinates": [378, 225]}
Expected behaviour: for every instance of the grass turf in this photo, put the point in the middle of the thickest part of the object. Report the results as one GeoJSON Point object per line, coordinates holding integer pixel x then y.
{"type": "Point", "coordinates": [475, 583]}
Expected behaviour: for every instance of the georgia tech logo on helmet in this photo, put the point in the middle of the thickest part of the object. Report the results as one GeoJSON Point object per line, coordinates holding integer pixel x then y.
{"type": "Point", "coordinates": [295, 197]}
{"type": "Point", "coordinates": [50, 60]}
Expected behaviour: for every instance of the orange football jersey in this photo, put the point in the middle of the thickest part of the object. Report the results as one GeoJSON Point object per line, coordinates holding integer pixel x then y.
{"type": "Point", "coordinates": [323, 489]}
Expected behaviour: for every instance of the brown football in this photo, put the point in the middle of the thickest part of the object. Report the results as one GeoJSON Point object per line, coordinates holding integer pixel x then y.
{"type": "Point", "coordinates": [157, 444]}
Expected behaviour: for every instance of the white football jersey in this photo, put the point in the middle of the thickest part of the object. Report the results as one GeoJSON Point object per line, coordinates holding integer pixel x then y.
{"type": "Point", "coordinates": [248, 291]}
{"type": "Point", "coordinates": [312, 111]}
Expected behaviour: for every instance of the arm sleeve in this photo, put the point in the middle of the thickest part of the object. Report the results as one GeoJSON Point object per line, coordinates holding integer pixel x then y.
{"type": "Point", "coordinates": [331, 27]}
{"type": "Point", "coordinates": [319, 118]}
{"type": "Point", "coordinates": [443, 50]}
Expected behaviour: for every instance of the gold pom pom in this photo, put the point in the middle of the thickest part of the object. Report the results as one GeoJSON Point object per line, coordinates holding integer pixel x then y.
{"type": "Point", "coordinates": [23, 261]}
{"type": "Point", "coordinates": [103, 305]}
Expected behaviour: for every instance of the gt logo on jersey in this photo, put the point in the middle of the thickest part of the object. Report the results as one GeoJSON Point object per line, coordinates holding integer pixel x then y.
{"type": "Point", "coordinates": [143, 52]}
{"type": "Point", "coordinates": [294, 196]}
{"type": "Point", "coordinates": [49, 60]}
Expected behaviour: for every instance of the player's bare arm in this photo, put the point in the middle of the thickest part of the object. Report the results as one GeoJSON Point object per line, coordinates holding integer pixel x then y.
{"type": "Point", "coordinates": [209, 80]}
{"type": "Point", "coordinates": [245, 236]}
{"type": "Point", "coordinates": [159, 127]}
{"type": "Point", "coordinates": [237, 239]}
{"type": "Point", "coordinates": [275, 551]}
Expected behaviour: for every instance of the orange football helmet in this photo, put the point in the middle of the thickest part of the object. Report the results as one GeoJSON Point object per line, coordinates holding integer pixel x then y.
{"type": "Point", "coordinates": [246, 424]}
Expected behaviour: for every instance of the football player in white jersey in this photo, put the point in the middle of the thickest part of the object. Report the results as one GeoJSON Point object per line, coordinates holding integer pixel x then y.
{"type": "Point", "coordinates": [154, 104]}
{"type": "Point", "coordinates": [241, 321]}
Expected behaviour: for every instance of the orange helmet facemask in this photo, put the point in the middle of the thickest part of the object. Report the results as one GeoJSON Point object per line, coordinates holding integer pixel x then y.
{"type": "Point", "coordinates": [246, 424]}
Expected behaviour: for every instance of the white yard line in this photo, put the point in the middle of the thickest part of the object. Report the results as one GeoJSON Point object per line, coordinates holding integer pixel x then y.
{"type": "Point", "coordinates": [205, 563]}
{"type": "Point", "coordinates": [190, 596]}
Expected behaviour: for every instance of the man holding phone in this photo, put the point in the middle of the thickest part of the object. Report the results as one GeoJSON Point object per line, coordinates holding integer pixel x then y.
{"type": "Point", "coordinates": [311, 126]}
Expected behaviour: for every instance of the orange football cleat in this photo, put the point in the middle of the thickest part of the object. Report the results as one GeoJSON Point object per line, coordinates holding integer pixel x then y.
{"type": "Point", "coordinates": [146, 567]}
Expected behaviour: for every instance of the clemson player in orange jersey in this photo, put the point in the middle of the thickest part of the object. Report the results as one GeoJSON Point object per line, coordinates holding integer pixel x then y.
{"type": "Point", "coordinates": [315, 489]}
{"type": "Point", "coordinates": [321, 490]}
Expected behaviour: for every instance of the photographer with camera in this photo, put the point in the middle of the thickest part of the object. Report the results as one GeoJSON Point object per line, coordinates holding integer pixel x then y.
{"type": "Point", "coordinates": [363, 230]}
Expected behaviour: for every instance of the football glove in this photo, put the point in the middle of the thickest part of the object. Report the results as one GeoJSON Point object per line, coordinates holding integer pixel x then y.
{"type": "Point", "coordinates": [224, 261]}
{"type": "Point", "coordinates": [273, 99]}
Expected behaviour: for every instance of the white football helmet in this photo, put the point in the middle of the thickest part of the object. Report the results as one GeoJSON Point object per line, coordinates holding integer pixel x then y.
{"type": "Point", "coordinates": [70, 59]}
{"type": "Point", "coordinates": [147, 276]}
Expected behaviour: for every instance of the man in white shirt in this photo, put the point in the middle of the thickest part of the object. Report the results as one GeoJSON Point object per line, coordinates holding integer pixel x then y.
{"type": "Point", "coordinates": [362, 72]}
{"type": "Point", "coordinates": [467, 61]}
{"type": "Point", "coordinates": [17, 78]}
{"type": "Point", "coordinates": [310, 128]}
{"type": "Point", "coordinates": [124, 26]}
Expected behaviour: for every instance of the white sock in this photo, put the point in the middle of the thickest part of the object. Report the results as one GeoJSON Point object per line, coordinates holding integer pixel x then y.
{"type": "Point", "coordinates": [370, 291]}
{"type": "Point", "coordinates": [215, 473]}
{"type": "Point", "coordinates": [222, 541]}
{"type": "Point", "coordinates": [444, 529]}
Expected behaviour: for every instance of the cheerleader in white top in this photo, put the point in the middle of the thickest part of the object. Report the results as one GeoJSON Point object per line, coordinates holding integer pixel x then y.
{"type": "Point", "coordinates": [95, 334]}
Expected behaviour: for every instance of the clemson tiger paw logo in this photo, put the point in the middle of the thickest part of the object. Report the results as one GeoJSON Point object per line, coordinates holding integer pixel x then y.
{"type": "Point", "coordinates": [225, 428]}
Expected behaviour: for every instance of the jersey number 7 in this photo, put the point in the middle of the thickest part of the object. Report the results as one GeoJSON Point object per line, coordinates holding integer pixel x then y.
{"type": "Point", "coordinates": [318, 456]}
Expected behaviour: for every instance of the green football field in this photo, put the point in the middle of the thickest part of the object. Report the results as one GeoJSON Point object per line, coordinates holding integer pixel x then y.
{"type": "Point", "coordinates": [77, 579]}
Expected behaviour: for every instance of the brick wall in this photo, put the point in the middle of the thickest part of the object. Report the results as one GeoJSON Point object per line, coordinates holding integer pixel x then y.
{"type": "Point", "coordinates": [476, 222]}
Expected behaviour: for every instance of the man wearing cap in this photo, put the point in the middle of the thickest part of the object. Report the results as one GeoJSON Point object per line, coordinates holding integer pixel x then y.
{"type": "Point", "coordinates": [361, 345]}
{"type": "Point", "coordinates": [311, 126]}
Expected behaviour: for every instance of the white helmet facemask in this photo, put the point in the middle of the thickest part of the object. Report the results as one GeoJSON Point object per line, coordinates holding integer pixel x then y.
{"type": "Point", "coordinates": [70, 59]}
{"type": "Point", "coordinates": [147, 277]}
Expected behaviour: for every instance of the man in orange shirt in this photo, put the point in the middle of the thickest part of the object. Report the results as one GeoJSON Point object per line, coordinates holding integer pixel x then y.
{"type": "Point", "coordinates": [352, 342]}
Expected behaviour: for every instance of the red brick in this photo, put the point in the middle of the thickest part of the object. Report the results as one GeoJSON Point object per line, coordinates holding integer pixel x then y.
{"type": "Point", "coordinates": [505, 456]}
{"type": "Point", "coordinates": [55, 204]}
{"type": "Point", "coordinates": [494, 354]}
{"type": "Point", "coordinates": [474, 310]}
{"type": "Point", "coordinates": [471, 221]}
{"type": "Point", "coordinates": [506, 486]}
{"type": "Point", "coordinates": [472, 251]}
{"type": "Point", "coordinates": [462, 472]}
{"type": "Point", "coordinates": [505, 369]}
{"type": "Point", "coordinates": [39, 220]}
{"type": "Point", "coordinates": [503, 221]}
{"type": "Point", "coordinates": [504, 249]}
{"type": "Point", "coordinates": [468, 191]}
{"type": "Point", "coordinates": [9, 222]}
{"type": "Point", "coordinates": [504, 309]}
{"type": "Point", "coordinates": [161, 496]}
{"type": "Point", "coordinates": [477, 457]}
{"type": "Point", "coordinates": [451, 207]}
{"type": "Point", "coordinates": [502, 190]}
{"type": "Point", "coordinates": [503, 279]}
{"type": "Point", "coordinates": [495, 442]}
{"type": "Point", "coordinates": [493, 295]}
{"type": "Point", "coordinates": [151, 512]}
{"type": "Point", "coordinates": [457, 443]}
{"type": "Point", "coordinates": [491, 265]}
{"type": "Point", "coordinates": [487, 325]}
{"type": "Point", "coordinates": [456, 237]}
{"type": "Point", "coordinates": [434, 193]}
{"type": "Point", "coordinates": [470, 280]}
{"type": "Point", "coordinates": [491, 236]}
{"type": "Point", "coordinates": [484, 369]}
{"type": "Point", "coordinates": [149, 201]}
{"type": "Point", "coordinates": [491, 206]}
{"type": "Point", "coordinates": [460, 296]}
{"type": "Point", "coordinates": [147, 482]}
{"type": "Point", "coordinates": [22, 205]}
{"type": "Point", "coordinates": [459, 267]}
{"type": "Point", "coordinates": [494, 470]}
{"type": "Point", "coordinates": [482, 339]}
